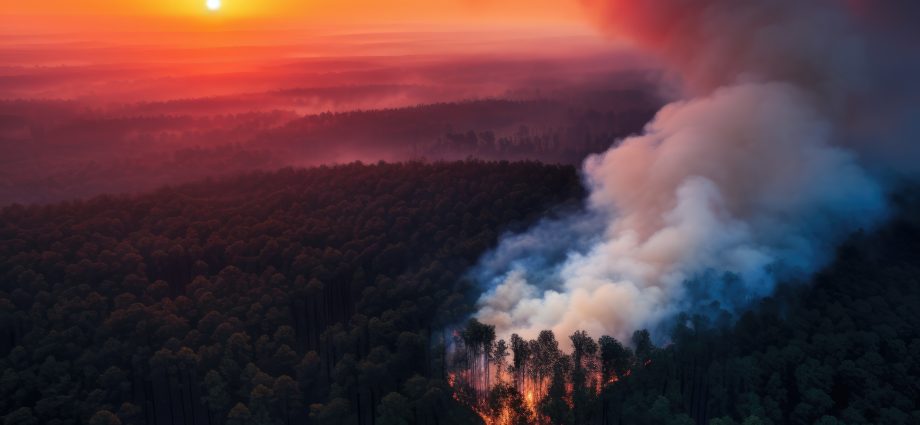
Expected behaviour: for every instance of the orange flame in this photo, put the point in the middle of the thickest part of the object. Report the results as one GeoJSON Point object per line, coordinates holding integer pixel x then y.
{"type": "Point", "coordinates": [530, 402]}
{"type": "Point", "coordinates": [530, 396]}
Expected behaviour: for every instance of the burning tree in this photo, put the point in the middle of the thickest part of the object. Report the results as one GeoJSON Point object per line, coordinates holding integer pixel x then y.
{"type": "Point", "coordinates": [520, 357]}
{"type": "Point", "coordinates": [543, 385]}
{"type": "Point", "coordinates": [478, 340]}
{"type": "Point", "coordinates": [615, 359]}
{"type": "Point", "coordinates": [545, 354]}
{"type": "Point", "coordinates": [556, 406]}
{"type": "Point", "coordinates": [586, 380]}
{"type": "Point", "coordinates": [500, 358]}
{"type": "Point", "coordinates": [508, 407]}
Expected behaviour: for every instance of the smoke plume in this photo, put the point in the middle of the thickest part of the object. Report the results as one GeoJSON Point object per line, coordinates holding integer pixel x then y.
{"type": "Point", "coordinates": [788, 138]}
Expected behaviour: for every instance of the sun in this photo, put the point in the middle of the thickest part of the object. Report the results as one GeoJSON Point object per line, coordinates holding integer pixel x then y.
{"type": "Point", "coordinates": [213, 4]}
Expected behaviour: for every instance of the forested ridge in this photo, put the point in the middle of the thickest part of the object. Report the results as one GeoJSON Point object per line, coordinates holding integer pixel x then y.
{"type": "Point", "coordinates": [322, 296]}
{"type": "Point", "coordinates": [60, 150]}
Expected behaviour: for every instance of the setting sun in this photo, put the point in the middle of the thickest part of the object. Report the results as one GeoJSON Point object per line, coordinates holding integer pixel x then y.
{"type": "Point", "coordinates": [459, 212]}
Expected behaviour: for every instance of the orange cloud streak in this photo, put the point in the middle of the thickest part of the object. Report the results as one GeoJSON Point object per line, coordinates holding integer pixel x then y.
{"type": "Point", "coordinates": [55, 15]}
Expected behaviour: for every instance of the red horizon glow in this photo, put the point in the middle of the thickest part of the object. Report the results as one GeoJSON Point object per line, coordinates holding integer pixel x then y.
{"type": "Point", "coordinates": [53, 16]}
{"type": "Point", "coordinates": [135, 85]}
{"type": "Point", "coordinates": [170, 49]}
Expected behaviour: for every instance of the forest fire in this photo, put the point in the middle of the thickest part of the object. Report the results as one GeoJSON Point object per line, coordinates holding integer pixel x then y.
{"type": "Point", "coordinates": [539, 383]}
{"type": "Point", "coordinates": [498, 410]}
{"type": "Point", "coordinates": [530, 402]}
{"type": "Point", "coordinates": [274, 212]}
{"type": "Point", "coordinates": [503, 415]}
{"type": "Point", "coordinates": [614, 378]}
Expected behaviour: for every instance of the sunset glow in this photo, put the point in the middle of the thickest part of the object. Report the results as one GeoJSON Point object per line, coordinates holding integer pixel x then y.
{"type": "Point", "coordinates": [146, 15]}
{"type": "Point", "coordinates": [483, 212]}
{"type": "Point", "coordinates": [279, 60]}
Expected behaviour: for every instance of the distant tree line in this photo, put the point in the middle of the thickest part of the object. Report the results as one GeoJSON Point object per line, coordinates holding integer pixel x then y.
{"type": "Point", "coordinates": [492, 129]}
{"type": "Point", "coordinates": [58, 150]}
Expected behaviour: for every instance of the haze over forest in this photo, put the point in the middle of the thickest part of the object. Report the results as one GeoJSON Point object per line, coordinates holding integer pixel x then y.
{"type": "Point", "coordinates": [81, 117]}
{"type": "Point", "coordinates": [416, 212]}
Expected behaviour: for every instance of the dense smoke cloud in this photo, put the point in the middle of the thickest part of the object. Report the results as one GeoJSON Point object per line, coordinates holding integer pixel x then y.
{"type": "Point", "coordinates": [772, 159]}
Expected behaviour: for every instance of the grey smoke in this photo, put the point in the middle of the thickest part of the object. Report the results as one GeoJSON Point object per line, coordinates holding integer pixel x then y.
{"type": "Point", "coordinates": [787, 140]}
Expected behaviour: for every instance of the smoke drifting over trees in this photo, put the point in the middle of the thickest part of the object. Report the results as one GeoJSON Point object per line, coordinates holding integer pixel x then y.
{"type": "Point", "coordinates": [659, 287]}
{"type": "Point", "coordinates": [753, 179]}
{"type": "Point", "coordinates": [56, 144]}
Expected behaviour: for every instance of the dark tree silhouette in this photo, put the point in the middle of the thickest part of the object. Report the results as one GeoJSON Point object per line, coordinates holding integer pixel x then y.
{"type": "Point", "coordinates": [269, 298]}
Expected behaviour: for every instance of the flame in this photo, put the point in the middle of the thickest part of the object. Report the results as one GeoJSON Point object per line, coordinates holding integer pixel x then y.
{"type": "Point", "coordinates": [530, 393]}
{"type": "Point", "coordinates": [505, 416]}
{"type": "Point", "coordinates": [530, 402]}
{"type": "Point", "coordinates": [451, 382]}
{"type": "Point", "coordinates": [528, 390]}
{"type": "Point", "coordinates": [502, 419]}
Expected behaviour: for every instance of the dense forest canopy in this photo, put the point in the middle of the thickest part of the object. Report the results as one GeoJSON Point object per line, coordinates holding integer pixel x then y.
{"type": "Point", "coordinates": [326, 296]}
{"type": "Point", "coordinates": [265, 298]}
{"type": "Point", "coordinates": [58, 150]}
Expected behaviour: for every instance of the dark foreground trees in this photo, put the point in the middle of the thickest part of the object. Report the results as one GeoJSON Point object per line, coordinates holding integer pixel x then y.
{"type": "Point", "coordinates": [321, 296]}
{"type": "Point", "coordinates": [272, 298]}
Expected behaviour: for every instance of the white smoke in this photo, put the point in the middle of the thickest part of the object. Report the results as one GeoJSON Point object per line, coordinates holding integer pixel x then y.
{"type": "Point", "coordinates": [753, 180]}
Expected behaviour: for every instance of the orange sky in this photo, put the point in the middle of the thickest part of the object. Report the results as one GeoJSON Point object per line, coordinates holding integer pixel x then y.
{"type": "Point", "coordinates": [70, 15]}
{"type": "Point", "coordinates": [137, 49]}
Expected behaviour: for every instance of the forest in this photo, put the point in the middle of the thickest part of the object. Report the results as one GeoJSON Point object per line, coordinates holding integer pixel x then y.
{"type": "Point", "coordinates": [843, 350]}
{"type": "Point", "coordinates": [338, 295]}
{"type": "Point", "coordinates": [57, 150]}
{"type": "Point", "coordinates": [268, 298]}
